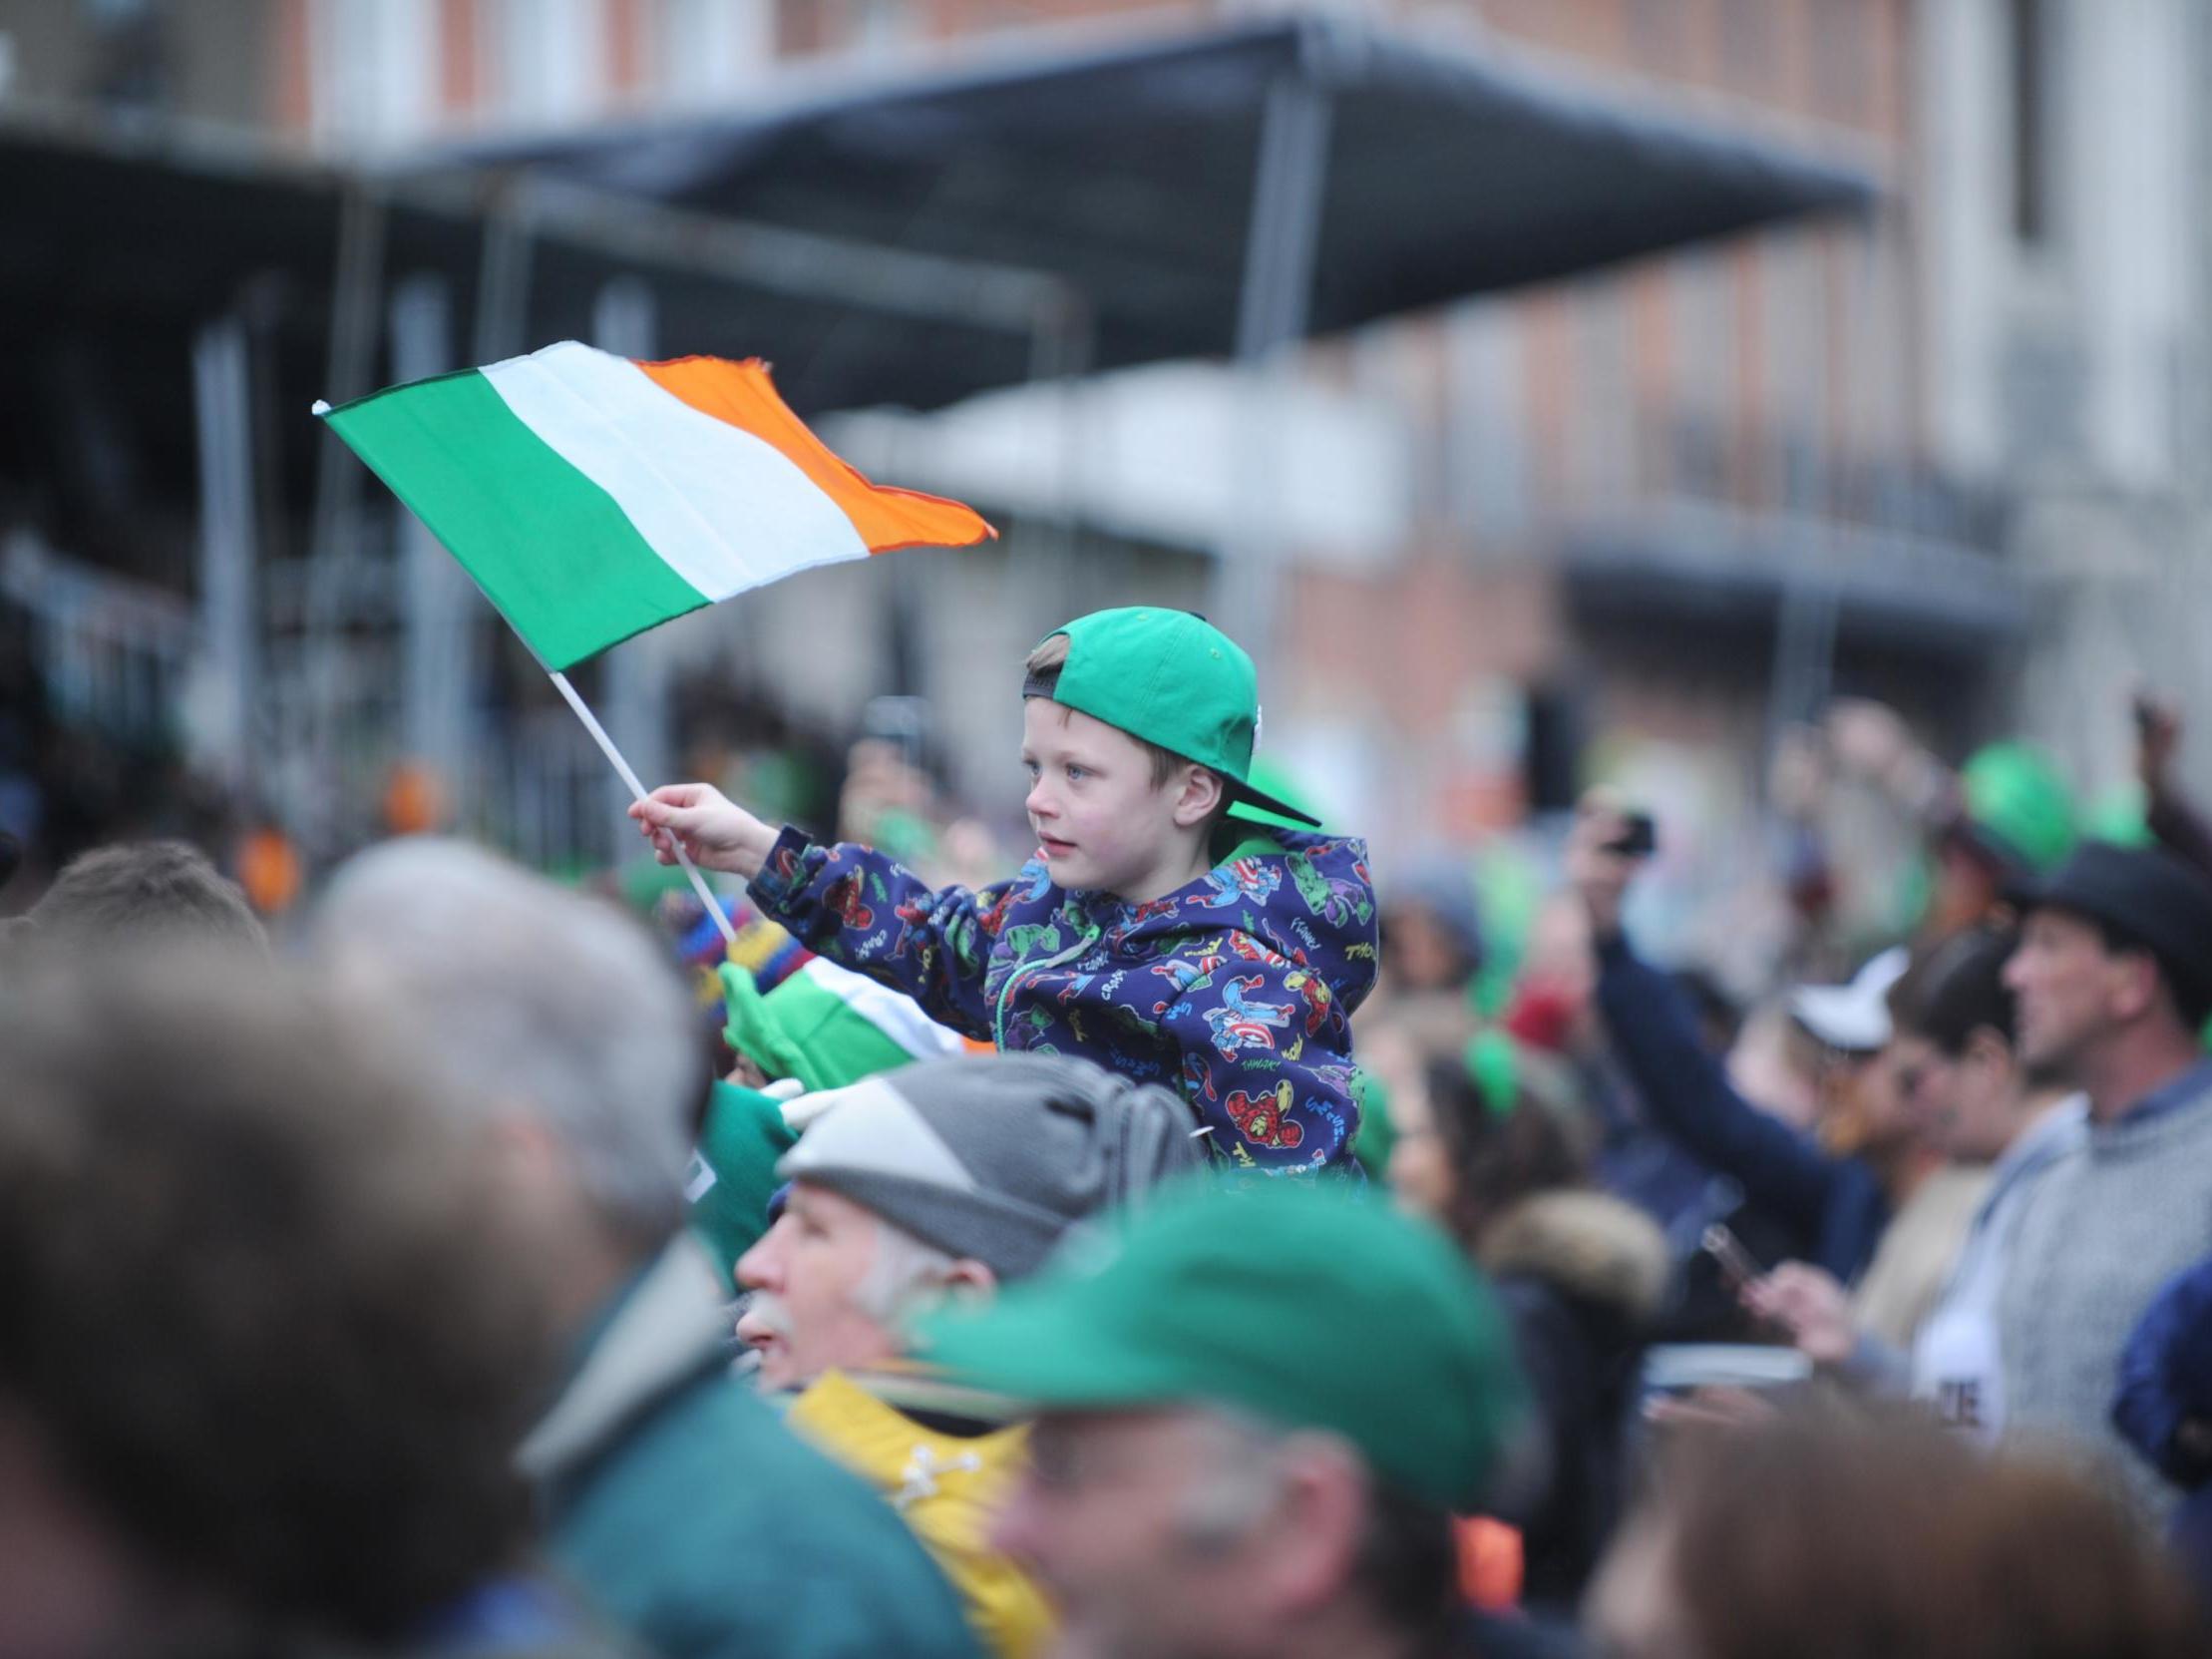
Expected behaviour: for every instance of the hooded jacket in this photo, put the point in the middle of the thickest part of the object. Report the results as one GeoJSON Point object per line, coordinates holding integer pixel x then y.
{"type": "Point", "coordinates": [1235, 991]}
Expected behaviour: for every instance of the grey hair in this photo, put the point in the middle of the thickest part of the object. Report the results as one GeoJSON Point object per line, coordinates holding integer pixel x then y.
{"type": "Point", "coordinates": [1242, 1483]}
{"type": "Point", "coordinates": [1406, 1565]}
{"type": "Point", "coordinates": [527, 994]}
{"type": "Point", "coordinates": [901, 1275]}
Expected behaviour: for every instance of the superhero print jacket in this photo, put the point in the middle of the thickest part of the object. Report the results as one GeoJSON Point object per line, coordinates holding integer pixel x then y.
{"type": "Point", "coordinates": [1235, 991]}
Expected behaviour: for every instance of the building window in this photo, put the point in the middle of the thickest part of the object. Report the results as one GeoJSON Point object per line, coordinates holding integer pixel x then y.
{"type": "Point", "coordinates": [1844, 40]}
{"type": "Point", "coordinates": [550, 59]}
{"type": "Point", "coordinates": [712, 45]}
{"type": "Point", "coordinates": [373, 71]}
{"type": "Point", "coordinates": [1750, 58]}
{"type": "Point", "coordinates": [1486, 459]}
{"type": "Point", "coordinates": [2035, 107]}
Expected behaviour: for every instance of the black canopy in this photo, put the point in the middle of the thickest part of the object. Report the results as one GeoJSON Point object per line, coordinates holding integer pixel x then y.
{"type": "Point", "coordinates": [1128, 173]}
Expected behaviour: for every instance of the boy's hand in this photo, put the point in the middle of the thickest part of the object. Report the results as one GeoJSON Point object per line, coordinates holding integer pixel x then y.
{"type": "Point", "coordinates": [717, 832]}
{"type": "Point", "coordinates": [1598, 872]}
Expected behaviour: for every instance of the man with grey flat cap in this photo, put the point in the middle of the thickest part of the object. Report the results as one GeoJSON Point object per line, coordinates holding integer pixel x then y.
{"type": "Point", "coordinates": [938, 1183]}
{"type": "Point", "coordinates": [2113, 981]}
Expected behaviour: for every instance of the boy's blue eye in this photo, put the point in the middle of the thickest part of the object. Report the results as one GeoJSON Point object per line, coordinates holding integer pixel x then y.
{"type": "Point", "coordinates": [1076, 772]}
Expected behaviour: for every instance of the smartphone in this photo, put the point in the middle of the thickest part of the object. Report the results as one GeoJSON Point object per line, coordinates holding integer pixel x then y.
{"type": "Point", "coordinates": [1738, 1265]}
{"type": "Point", "coordinates": [1639, 839]}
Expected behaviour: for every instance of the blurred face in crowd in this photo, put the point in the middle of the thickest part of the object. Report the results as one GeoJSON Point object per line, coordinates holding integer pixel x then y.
{"type": "Point", "coordinates": [1559, 973]}
{"type": "Point", "coordinates": [809, 1275]}
{"type": "Point", "coordinates": [1967, 887]}
{"type": "Point", "coordinates": [1420, 1169]}
{"type": "Point", "coordinates": [2070, 989]}
{"type": "Point", "coordinates": [1861, 1108]}
{"type": "Point", "coordinates": [1964, 1105]}
{"type": "Point", "coordinates": [1162, 1534]}
{"type": "Point", "coordinates": [1100, 820]}
{"type": "Point", "coordinates": [1421, 953]}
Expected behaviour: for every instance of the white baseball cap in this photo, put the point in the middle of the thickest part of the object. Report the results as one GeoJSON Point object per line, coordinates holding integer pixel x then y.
{"type": "Point", "coordinates": [1853, 1017]}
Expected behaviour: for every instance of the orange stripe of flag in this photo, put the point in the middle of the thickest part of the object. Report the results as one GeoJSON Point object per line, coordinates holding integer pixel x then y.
{"type": "Point", "coordinates": [743, 395]}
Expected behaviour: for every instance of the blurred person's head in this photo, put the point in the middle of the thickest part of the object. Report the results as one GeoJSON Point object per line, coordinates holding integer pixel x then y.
{"type": "Point", "coordinates": [2014, 822]}
{"type": "Point", "coordinates": [1431, 928]}
{"type": "Point", "coordinates": [943, 1179]}
{"type": "Point", "coordinates": [2114, 973]}
{"type": "Point", "coordinates": [1859, 1109]}
{"type": "Point", "coordinates": [567, 1038]}
{"type": "Point", "coordinates": [1824, 1535]}
{"type": "Point", "coordinates": [1137, 732]}
{"type": "Point", "coordinates": [262, 1358]}
{"type": "Point", "coordinates": [1464, 1155]}
{"type": "Point", "coordinates": [1955, 1069]}
{"type": "Point", "coordinates": [135, 894]}
{"type": "Point", "coordinates": [1202, 1481]}
{"type": "Point", "coordinates": [1969, 887]}
{"type": "Point", "coordinates": [1862, 1111]}
{"type": "Point", "coordinates": [1554, 1003]}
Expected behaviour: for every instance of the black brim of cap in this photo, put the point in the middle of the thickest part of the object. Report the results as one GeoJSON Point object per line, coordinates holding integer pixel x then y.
{"type": "Point", "coordinates": [1251, 804]}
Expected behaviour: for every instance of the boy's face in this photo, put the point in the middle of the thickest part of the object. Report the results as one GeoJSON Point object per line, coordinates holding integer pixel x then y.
{"type": "Point", "coordinates": [1101, 822]}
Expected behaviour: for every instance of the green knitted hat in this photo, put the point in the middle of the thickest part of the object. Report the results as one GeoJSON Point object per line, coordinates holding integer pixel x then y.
{"type": "Point", "coordinates": [733, 1171]}
{"type": "Point", "coordinates": [827, 1026]}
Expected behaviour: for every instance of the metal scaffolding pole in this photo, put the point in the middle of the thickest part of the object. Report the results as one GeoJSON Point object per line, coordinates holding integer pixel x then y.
{"type": "Point", "coordinates": [439, 608]}
{"type": "Point", "coordinates": [230, 636]}
{"type": "Point", "coordinates": [355, 321]}
{"type": "Point", "coordinates": [1289, 185]}
{"type": "Point", "coordinates": [633, 685]}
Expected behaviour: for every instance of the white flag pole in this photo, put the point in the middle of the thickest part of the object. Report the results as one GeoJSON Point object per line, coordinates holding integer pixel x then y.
{"type": "Point", "coordinates": [607, 748]}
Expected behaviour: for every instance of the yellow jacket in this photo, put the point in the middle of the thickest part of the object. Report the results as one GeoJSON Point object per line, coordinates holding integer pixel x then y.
{"type": "Point", "coordinates": [948, 1488]}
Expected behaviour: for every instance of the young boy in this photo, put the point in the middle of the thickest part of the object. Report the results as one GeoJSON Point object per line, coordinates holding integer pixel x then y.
{"type": "Point", "coordinates": [1151, 933]}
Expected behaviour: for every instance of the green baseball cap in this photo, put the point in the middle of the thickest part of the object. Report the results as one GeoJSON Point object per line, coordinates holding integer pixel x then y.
{"type": "Point", "coordinates": [1173, 680]}
{"type": "Point", "coordinates": [1306, 1305]}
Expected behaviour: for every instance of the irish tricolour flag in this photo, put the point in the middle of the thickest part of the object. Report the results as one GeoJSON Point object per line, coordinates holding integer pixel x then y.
{"type": "Point", "coordinates": [593, 496]}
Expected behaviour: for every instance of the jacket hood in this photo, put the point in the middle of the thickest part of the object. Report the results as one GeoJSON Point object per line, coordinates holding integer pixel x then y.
{"type": "Point", "coordinates": [1308, 897]}
{"type": "Point", "coordinates": [1588, 1245]}
{"type": "Point", "coordinates": [667, 1328]}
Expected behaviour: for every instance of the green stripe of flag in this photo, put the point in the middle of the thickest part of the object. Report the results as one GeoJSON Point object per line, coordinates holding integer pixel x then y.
{"type": "Point", "coordinates": [549, 546]}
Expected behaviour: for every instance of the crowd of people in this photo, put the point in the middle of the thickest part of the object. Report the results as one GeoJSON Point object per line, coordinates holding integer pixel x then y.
{"type": "Point", "coordinates": [1190, 1246]}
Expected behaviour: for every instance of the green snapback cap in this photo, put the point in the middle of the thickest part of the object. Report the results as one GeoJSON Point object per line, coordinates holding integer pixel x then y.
{"type": "Point", "coordinates": [1303, 1305]}
{"type": "Point", "coordinates": [1173, 680]}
